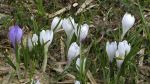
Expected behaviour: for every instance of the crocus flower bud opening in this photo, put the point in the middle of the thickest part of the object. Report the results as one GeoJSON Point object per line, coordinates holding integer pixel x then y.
{"type": "Point", "coordinates": [32, 42]}
{"type": "Point", "coordinates": [111, 50]}
{"type": "Point", "coordinates": [56, 24]}
{"type": "Point", "coordinates": [73, 52]}
{"type": "Point", "coordinates": [15, 35]}
{"type": "Point", "coordinates": [46, 37]}
{"type": "Point", "coordinates": [83, 32]}
{"type": "Point", "coordinates": [127, 23]}
{"type": "Point", "coordinates": [122, 51]}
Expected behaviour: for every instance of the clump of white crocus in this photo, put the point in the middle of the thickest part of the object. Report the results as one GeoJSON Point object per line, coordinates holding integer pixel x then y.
{"type": "Point", "coordinates": [32, 41]}
{"type": "Point", "coordinates": [127, 22]}
{"type": "Point", "coordinates": [56, 24]}
{"type": "Point", "coordinates": [46, 38]}
{"type": "Point", "coordinates": [122, 51]}
{"type": "Point", "coordinates": [111, 50]}
{"type": "Point", "coordinates": [68, 25]}
{"type": "Point", "coordinates": [83, 31]}
{"type": "Point", "coordinates": [73, 52]}
{"type": "Point", "coordinates": [77, 82]}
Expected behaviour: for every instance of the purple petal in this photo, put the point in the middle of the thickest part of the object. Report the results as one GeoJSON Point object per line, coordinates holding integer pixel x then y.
{"type": "Point", "coordinates": [15, 34]}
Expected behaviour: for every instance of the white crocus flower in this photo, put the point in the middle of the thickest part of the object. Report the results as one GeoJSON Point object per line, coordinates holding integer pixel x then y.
{"type": "Point", "coordinates": [127, 23]}
{"type": "Point", "coordinates": [32, 42]}
{"type": "Point", "coordinates": [111, 50]}
{"type": "Point", "coordinates": [123, 50]}
{"type": "Point", "coordinates": [83, 31]}
{"type": "Point", "coordinates": [68, 25]}
{"type": "Point", "coordinates": [56, 24]}
{"type": "Point", "coordinates": [35, 39]}
{"type": "Point", "coordinates": [46, 37]}
{"type": "Point", "coordinates": [77, 82]}
{"type": "Point", "coordinates": [73, 52]}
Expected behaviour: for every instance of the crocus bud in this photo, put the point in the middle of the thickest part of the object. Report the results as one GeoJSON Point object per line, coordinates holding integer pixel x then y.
{"type": "Point", "coordinates": [83, 31]}
{"type": "Point", "coordinates": [73, 52]}
{"type": "Point", "coordinates": [46, 37]}
{"type": "Point", "coordinates": [127, 23]}
{"type": "Point", "coordinates": [68, 26]}
{"type": "Point", "coordinates": [32, 41]}
{"type": "Point", "coordinates": [111, 50]}
{"type": "Point", "coordinates": [56, 23]}
{"type": "Point", "coordinates": [77, 82]}
{"type": "Point", "coordinates": [15, 35]}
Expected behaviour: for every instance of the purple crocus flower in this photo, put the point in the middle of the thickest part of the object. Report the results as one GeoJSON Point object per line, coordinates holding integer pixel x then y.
{"type": "Point", "coordinates": [15, 35]}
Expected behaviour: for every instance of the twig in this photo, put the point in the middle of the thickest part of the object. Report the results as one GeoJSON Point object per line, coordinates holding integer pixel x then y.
{"type": "Point", "coordinates": [87, 2]}
{"type": "Point", "coordinates": [59, 11]}
{"type": "Point", "coordinates": [91, 78]}
{"type": "Point", "coordinates": [61, 70]}
{"type": "Point", "coordinates": [62, 45]}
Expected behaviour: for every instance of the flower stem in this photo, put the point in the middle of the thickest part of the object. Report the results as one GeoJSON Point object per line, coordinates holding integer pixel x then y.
{"type": "Point", "coordinates": [17, 61]}
{"type": "Point", "coordinates": [82, 66]}
{"type": "Point", "coordinates": [122, 36]}
{"type": "Point", "coordinates": [45, 60]}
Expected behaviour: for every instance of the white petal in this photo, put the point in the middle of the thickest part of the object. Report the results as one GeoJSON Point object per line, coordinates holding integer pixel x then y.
{"type": "Point", "coordinates": [127, 22]}
{"type": "Point", "coordinates": [121, 49]}
{"type": "Point", "coordinates": [127, 47]}
{"type": "Point", "coordinates": [56, 22]}
{"type": "Point", "coordinates": [42, 37]}
{"type": "Point", "coordinates": [84, 31]}
{"type": "Point", "coordinates": [68, 26]}
{"type": "Point", "coordinates": [30, 44]}
{"type": "Point", "coordinates": [111, 50]}
{"type": "Point", "coordinates": [48, 37]}
{"type": "Point", "coordinates": [34, 39]}
{"type": "Point", "coordinates": [73, 51]}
